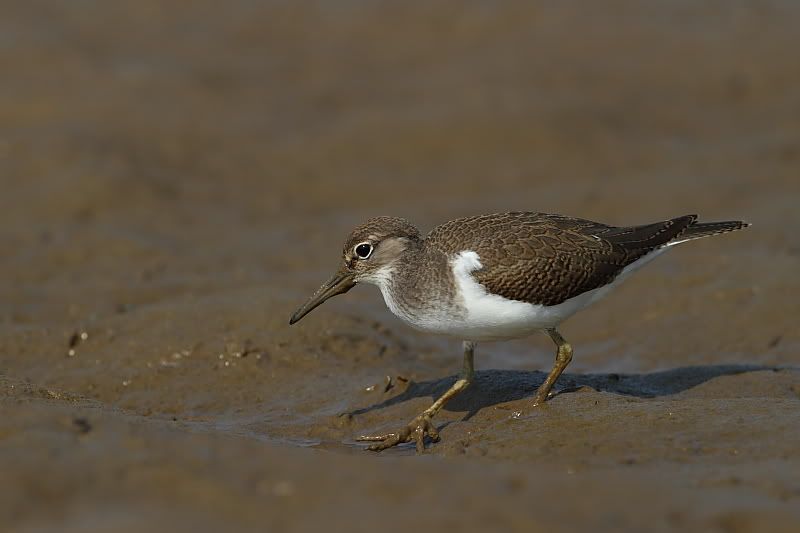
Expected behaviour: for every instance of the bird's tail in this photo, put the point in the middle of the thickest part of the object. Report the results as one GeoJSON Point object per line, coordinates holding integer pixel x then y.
{"type": "Point", "coordinates": [698, 230]}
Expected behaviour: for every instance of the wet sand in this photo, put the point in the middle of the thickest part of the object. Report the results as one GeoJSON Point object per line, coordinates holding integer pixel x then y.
{"type": "Point", "coordinates": [177, 181]}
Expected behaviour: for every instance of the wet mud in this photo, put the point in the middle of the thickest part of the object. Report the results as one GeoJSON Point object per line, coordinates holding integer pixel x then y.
{"type": "Point", "coordinates": [177, 180]}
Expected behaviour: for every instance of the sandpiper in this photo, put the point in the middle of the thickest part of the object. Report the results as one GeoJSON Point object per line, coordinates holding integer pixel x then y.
{"type": "Point", "coordinates": [496, 277]}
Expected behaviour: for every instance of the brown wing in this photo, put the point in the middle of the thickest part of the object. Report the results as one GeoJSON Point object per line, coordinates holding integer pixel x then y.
{"type": "Point", "coordinates": [546, 259]}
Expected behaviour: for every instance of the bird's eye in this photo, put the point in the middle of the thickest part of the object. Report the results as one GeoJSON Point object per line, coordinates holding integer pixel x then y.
{"type": "Point", "coordinates": [363, 250]}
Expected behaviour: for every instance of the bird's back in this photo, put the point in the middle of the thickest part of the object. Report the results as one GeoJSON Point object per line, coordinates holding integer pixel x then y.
{"type": "Point", "coordinates": [546, 259]}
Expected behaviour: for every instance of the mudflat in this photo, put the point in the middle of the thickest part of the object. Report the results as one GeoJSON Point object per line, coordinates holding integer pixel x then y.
{"type": "Point", "coordinates": [177, 179]}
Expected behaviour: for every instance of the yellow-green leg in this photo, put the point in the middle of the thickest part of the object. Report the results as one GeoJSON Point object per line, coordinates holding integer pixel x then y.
{"type": "Point", "coordinates": [563, 357]}
{"type": "Point", "coordinates": [422, 424]}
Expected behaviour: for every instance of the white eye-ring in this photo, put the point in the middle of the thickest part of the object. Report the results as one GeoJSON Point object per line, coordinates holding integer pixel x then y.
{"type": "Point", "coordinates": [363, 250]}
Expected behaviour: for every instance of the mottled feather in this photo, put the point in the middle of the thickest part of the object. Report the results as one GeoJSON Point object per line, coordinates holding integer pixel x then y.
{"type": "Point", "coordinates": [546, 259]}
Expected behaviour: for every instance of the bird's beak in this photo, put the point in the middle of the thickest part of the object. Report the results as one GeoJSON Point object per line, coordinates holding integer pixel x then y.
{"type": "Point", "coordinates": [340, 283]}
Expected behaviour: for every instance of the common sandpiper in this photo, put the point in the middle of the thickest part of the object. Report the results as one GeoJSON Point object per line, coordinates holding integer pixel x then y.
{"type": "Point", "coordinates": [496, 277]}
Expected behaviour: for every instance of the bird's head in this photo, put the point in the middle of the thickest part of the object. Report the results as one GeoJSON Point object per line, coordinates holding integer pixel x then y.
{"type": "Point", "coordinates": [369, 256]}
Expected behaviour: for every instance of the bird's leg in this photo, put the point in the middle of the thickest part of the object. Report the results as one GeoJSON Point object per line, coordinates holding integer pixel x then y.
{"type": "Point", "coordinates": [423, 425]}
{"type": "Point", "coordinates": [563, 357]}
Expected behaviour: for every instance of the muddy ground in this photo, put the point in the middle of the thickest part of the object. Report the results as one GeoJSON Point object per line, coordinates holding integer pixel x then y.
{"type": "Point", "coordinates": [177, 179]}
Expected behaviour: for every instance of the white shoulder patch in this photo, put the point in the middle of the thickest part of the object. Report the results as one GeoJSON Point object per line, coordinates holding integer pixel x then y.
{"type": "Point", "coordinates": [466, 262]}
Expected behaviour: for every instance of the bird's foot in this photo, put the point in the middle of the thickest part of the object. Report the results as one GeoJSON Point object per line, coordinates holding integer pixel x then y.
{"type": "Point", "coordinates": [416, 430]}
{"type": "Point", "coordinates": [542, 396]}
{"type": "Point", "coordinates": [537, 401]}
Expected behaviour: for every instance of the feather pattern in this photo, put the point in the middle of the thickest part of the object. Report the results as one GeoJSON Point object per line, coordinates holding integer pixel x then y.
{"type": "Point", "coordinates": [547, 259]}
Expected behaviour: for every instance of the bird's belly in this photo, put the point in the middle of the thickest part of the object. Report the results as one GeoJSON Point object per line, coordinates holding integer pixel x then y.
{"type": "Point", "coordinates": [490, 318]}
{"type": "Point", "coordinates": [495, 318]}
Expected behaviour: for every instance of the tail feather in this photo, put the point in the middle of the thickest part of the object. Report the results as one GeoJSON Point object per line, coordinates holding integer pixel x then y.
{"type": "Point", "coordinates": [649, 236]}
{"type": "Point", "coordinates": [705, 229]}
{"type": "Point", "coordinates": [641, 239]}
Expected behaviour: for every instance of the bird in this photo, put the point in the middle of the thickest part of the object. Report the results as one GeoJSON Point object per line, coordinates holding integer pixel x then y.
{"type": "Point", "coordinates": [496, 277]}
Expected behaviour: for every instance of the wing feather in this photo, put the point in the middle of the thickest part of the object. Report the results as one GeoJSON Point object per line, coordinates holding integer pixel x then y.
{"type": "Point", "coordinates": [546, 259]}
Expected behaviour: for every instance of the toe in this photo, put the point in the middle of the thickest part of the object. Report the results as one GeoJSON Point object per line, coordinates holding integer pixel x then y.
{"type": "Point", "coordinates": [374, 438]}
{"type": "Point", "coordinates": [433, 433]}
{"type": "Point", "coordinates": [420, 438]}
{"type": "Point", "coordinates": [375, 447]}
{"type": "Point", "coordinates": [393, 440]}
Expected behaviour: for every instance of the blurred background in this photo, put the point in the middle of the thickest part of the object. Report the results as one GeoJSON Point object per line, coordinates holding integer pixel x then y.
{"type": "Point", "coordinates": [175, 178]}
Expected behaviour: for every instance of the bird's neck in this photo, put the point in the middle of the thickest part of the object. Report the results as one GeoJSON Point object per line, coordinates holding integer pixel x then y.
{"type": "Point", "coordinates": [418, 280]}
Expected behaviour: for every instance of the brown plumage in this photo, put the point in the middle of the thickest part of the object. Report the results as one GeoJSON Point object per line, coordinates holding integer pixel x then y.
{"type": "Point", "coordinates": [545, 259]}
